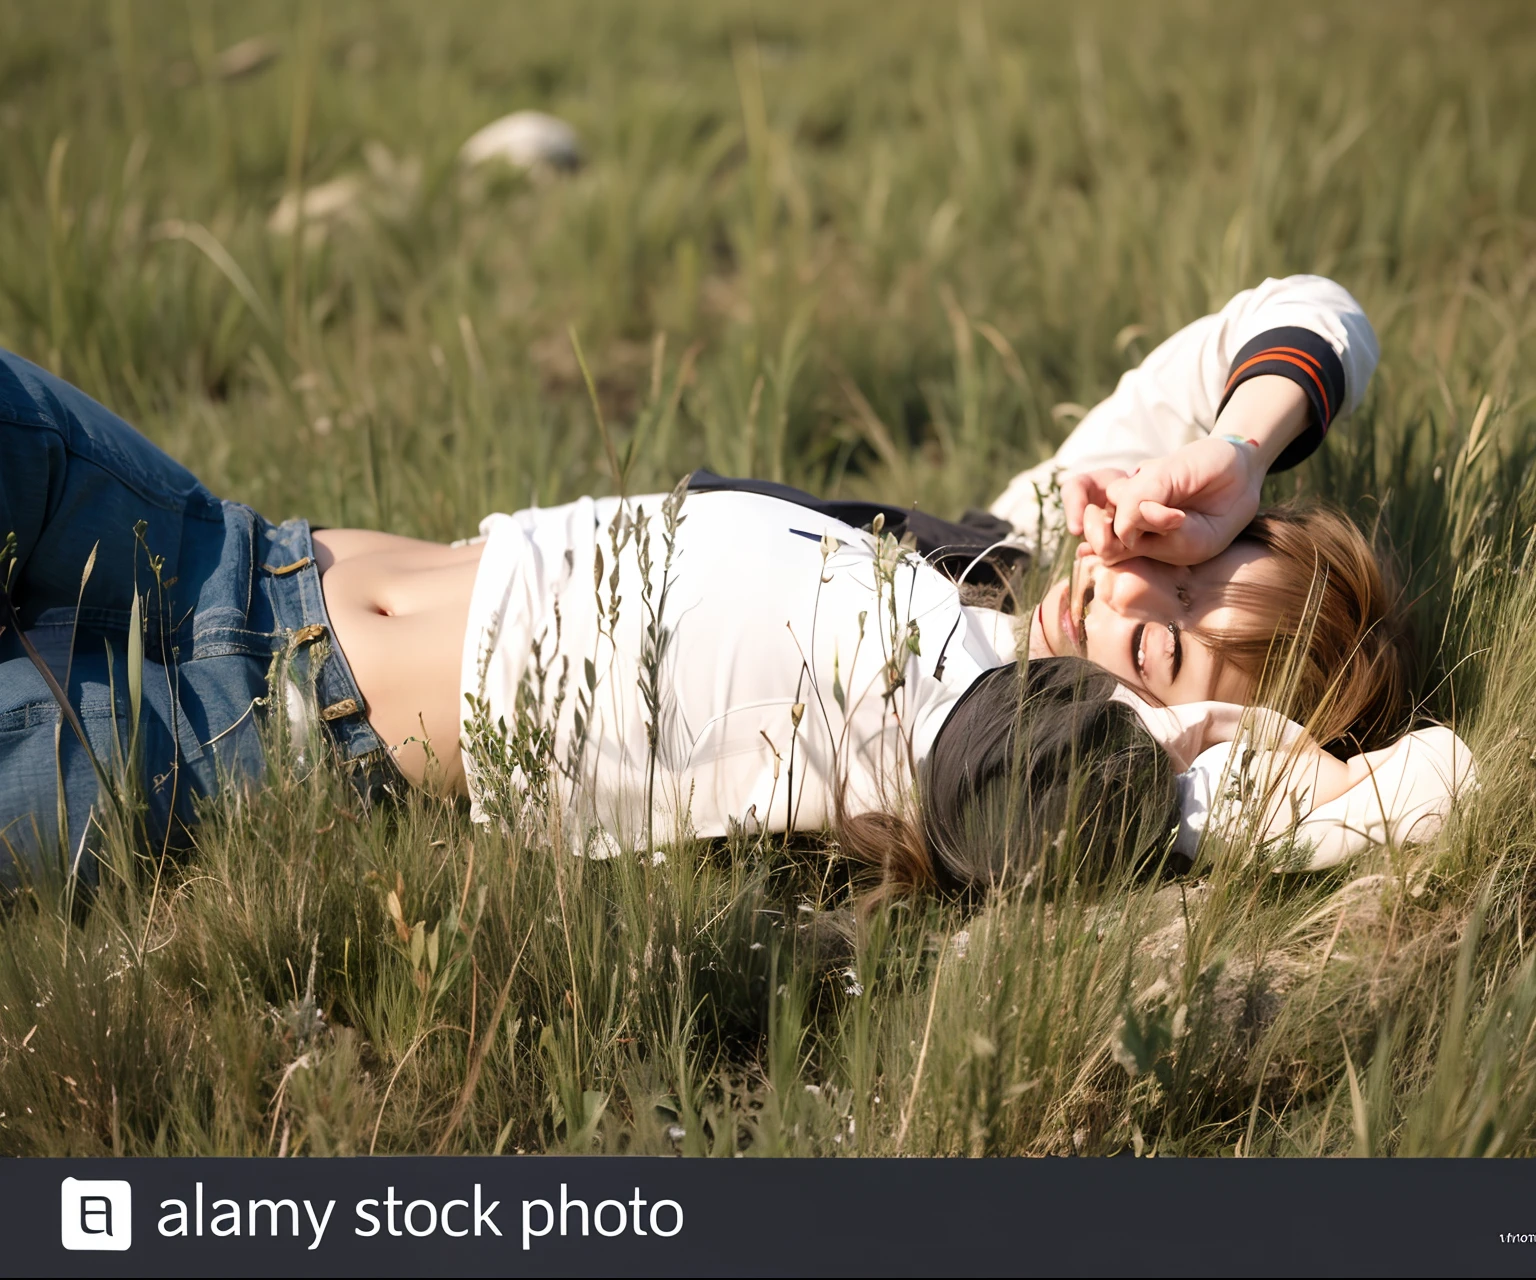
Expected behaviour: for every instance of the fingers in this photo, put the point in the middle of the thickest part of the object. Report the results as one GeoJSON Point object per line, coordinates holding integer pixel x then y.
{"type": "Point", "coordinates": [1182, 546]}
{"type": "Point", "coordinates": [1074, 497]}
{"type": "Point", "coordinates": [1080, 488]}
{"type": "Point", "coordinates": [1134, 522]}
{"type": "Point", "coordinates": [1162, 533]}
{"type": "Point", "coordinates": [1149, 484]}
{"type": "Point", "coordinates": [1125, 499]}
{"type": "Point", "coordinates": [1099, 535]}
{"type": "Point", "coordinates": [1157, 518]}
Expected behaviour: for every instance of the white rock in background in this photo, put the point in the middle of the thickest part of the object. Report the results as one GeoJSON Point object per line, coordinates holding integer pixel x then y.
{"type": "Point", "coordinates": [525, 140]}
{"type": "Point", "coordinates": [247, 57]}
{"type": "Point", "coordinates": [333, 201]}
{"type": "Point", "coordinates": [387, 192]}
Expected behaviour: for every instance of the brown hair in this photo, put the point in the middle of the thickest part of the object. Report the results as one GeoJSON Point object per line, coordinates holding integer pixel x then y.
{"type": "Point", "coordinates": [1035, 765]}
{"type": "Point", "coordinates": [1327, 643]}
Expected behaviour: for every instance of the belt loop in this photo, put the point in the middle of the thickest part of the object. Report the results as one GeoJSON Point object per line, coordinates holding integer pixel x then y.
{"type": "Point", "coordinates": [305, 635]}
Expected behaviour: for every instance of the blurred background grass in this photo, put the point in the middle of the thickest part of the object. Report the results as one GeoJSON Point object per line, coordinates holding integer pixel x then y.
{"type": "Point", "coordinates": [869, 249]}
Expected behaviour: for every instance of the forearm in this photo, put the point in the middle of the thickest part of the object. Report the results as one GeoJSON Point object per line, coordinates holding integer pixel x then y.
{"type": "Point", "coordinates": [1398, 795]}
{"type": "Point", "coordinates": [1332, 809]}
{"type": "Point", "coordinates": [1269, 411]}
{"type": "Point", "coordinates": [1307, 330]}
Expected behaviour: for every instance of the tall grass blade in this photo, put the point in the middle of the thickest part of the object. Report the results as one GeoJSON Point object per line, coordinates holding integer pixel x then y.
{"type": "Point", "coordinates": [135, 679]}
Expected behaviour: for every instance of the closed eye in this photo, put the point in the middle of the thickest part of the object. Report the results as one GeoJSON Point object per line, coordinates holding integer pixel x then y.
{"type": "Point", "coordinates": [1178, 648]}
{"type": "Point", "coordinates": [1138, 633]}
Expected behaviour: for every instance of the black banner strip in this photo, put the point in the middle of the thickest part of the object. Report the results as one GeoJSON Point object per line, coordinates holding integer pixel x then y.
{"type": "Point", "coordinates": [674, 1217]}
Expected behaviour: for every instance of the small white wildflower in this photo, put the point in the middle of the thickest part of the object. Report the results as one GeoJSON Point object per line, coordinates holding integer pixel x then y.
{"type": "Point", "coordinates": [676, 1132]}
{"type": "Point", "coordinates": [814, 1089]}
{"type": "Point", "coordinates": [602, 845]}
{"type": "Point", "coordinates": [961, 943]}
{"type": "Point", "coordinates": [854, 987]}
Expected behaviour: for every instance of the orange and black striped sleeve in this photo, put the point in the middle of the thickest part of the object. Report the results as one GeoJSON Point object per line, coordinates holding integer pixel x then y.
{"type": "Point", "coordinates": [1308, 360]}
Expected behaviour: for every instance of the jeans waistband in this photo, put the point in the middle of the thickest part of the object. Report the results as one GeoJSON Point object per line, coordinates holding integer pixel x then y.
{"type": "Point", "coordinates": [289, 578]}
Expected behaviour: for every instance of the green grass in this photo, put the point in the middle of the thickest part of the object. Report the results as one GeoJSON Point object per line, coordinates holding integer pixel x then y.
{"type": "Point", "coordinates": [873, 249]}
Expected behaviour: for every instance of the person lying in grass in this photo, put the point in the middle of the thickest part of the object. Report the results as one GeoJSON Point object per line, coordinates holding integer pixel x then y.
{"type": "Point", "coordinates": [630, 670]}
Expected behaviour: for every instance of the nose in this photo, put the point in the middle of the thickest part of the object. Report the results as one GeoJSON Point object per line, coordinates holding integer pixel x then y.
{"type": "Point", "coordinates": [1138, 588]}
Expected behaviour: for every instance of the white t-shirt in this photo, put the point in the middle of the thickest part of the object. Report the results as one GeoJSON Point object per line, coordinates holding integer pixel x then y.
{"type": "Point", "coordinates": [801, 655]}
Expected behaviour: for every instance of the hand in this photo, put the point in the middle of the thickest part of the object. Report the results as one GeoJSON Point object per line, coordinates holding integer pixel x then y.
{"type": "Point", "coordinates": [1098, 529]}
{"type": "Point", "coordinates": [1186, 729]}
{"type": "Point", "coordinates": [1181, 509]}
{"type": "Point", "coordinates": [1082, 489]}
{"type": "Point", "coordinates": [1188, 506]}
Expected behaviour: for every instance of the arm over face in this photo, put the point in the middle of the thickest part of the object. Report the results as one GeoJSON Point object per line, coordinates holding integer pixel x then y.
{"type": "Point", "coordinates": [1303, 338]}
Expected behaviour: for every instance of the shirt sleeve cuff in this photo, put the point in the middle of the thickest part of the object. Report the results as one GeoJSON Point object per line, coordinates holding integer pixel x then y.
{"type": "Point", "coordinates": [1308, 360]}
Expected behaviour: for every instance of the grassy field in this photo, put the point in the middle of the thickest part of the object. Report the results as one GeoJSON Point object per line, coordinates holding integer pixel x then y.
{"type": "Point", "coordinates": [872, 249]}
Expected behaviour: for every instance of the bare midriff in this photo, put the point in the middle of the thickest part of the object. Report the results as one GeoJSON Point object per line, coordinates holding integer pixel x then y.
{"type": "Point", "coordinates": [399, 607]}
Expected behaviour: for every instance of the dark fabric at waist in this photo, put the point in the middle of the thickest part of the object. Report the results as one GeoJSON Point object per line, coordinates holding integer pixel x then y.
{"type": "Point", "coordinates": [979, 547]}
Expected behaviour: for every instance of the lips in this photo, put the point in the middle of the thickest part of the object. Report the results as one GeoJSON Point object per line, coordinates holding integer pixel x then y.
{"type": "Point", "coordinates": [1044, 634]}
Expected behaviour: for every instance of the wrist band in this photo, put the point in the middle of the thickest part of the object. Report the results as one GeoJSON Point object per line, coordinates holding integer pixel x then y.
{"type": "Point", "coordinates": [1227, 435]}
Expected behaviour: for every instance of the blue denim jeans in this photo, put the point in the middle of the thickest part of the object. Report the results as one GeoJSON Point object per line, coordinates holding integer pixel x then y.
{"type": "Point", "coordinates": [229, 604]}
